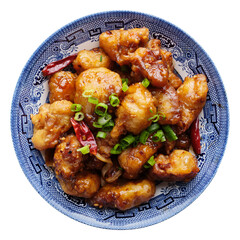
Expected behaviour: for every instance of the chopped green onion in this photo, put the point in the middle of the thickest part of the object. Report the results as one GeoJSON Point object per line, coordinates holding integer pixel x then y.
{"type": "Point", "coordinates": [124, 80]}
{"type": "Point", "coordinates": [76, 107]}
{"type": "Point", "coordinates": [79, 116]}
{"type": "Point", "coordinates": [143, 136]}
{"type": "Point", "coordinates": [114, 100]}
{"type": "Point", "coordinates": [124, 87]}
{"type": "Point", "coordinates": [162, 115]}
{"type": "Point", "coordinates": [145, 82]}
{"type": "Point", "coordinates": [84, 150]}
{"type": "Point", "coordinates": [124, 68]}
{"type": "Point", "coordinates": [169, 133]}
{"type": "Point", "coordinates": [151, 110]}
{"type": "Point", "coordinates": [104, 119]}
{"type": "Point", "coordinates": [137, 140]}
{"type": "Point", "coordinates": [97, 125]}
{"type": "Point", "coordinates": [101, 109]}
{"type": "Point", "coordinates": [126, 141]}
{"type": "Point", "coordinates": [155, 118]}
{"type": "Point", "coordinates": [88, 93]}
{"type": "Point", "coordinates": [93, 100]}
{"type": "Point", "coordinates": [154, 127]}
{"type": "Point", "coordinates": [108, 126]}
{"type": "Point", "coordinates": [117, 149]}
{"type": "Point", "coordinates": [150, 162]}
{"type": "Point", "coordinates": [101, 134]}
{"type": "Point", "coordinates": [100, 58]}
{"type": "Point", "coordinates": [159, 136]}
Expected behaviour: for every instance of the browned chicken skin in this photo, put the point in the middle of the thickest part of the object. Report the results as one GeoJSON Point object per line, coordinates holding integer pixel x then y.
{"type": "Point", "coordinates": [167, 103]}
{"type": "Point", "coordinates": [67, 160]}
{"type": "Point", "coordinates": [180, 165]}
{"type": "Point", "coordinates": [121, 44]}
{"type": "Point", "coordinates": [94, 58]}
{"type": "Point", "coordinates": [134, 112]}
{"type": "Point", "coordinates": [62, 86]}
{"type": "Point", "coordinates": [192, 96]}
{"type": "Point", "coordinates": [83, 184]}
{"type": "Point", "coordinates": [124, 196]}
{"type": "Point", "coordinates": [51, 121]}
{"type": "Point", "coordinates": [133, 159]}
{"type": "Point", "coordinates": [102, 81]}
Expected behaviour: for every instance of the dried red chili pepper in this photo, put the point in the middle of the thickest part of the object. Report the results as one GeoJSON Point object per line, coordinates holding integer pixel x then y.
{"type": "Point", "coordinates": [195, 136]}
{"type": "Point", "coordinates": [56, 66]}
{"type": "Point", "coordinates": [84, 135]}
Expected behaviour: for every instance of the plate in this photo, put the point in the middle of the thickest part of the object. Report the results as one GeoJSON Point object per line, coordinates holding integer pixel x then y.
{"type": "Point", "coordinates": [32, 91]}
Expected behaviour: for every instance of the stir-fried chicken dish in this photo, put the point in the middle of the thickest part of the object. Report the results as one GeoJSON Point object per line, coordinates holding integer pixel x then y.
{"type": "Point", "coordinates": [120, 121]}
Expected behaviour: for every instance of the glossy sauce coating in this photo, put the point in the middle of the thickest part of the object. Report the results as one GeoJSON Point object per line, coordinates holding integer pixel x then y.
{"type": "Point", "coordinates": [51, 121]}
{"type": "Point", "coordinates": [180, 165]}
{"type": "Point", "coordinates": [124, 196]}
{"type": "Point", "coordinates": [62, 86]}
{"type": "Point", "coordinates": [134, 112]}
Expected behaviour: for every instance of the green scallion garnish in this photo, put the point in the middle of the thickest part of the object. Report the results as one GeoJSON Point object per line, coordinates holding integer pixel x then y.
{"type": "Point", "coordinates": [169, 133]}
{"type": "Point", "coordinates": [100, 58]}
{"type": "Point", "coordinates": [154, 127]}
{"type": "Point", "coordinates": [127, 141]}
{"type": "Point", "coordinates": [97, 125]}
{"type": "Point", "coordinates": [101, 134]}
{"type": "Point", "coordinates": [124, 80]}
{"type": "Point", "coordinates": [143, 136]}
{"type": "Point", "coordinates": [84, 150]}
{"type": "Point", "coordinates": [93, 100]}
{"type": "Point", "coordinates": [76, 107]}
{"type": "Point", "coordinates": [154, 118]}
{"type": "Point", "coordinates": [104, 119]}
{"type": "Point", "coordinates": [145, 82]}
{"type": "Point", "coordinates": [79, 116]}
{"type": "Point", "coordinates": [108, 126]}
{"type": "Point", "coordinates": [150, 162]}
{"type": "Point", "coordinates": [159, 136]}
{"type": "Point", "coordinates": [124, 87]}
{"type": "Point", "coordinates": [117, 149]}
{"type": "Point", "coordinates": [101, 109]}
{"type": "Point", "coordinates": [114, 100]}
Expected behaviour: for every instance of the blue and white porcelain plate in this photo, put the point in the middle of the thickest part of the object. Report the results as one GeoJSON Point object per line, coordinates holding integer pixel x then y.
{"type": "Point", "coordinates": [32, 91]}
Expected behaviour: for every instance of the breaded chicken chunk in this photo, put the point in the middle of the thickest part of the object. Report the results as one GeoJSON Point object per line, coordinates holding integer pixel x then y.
{"type": "Point", "coordinates": [67, 160]}
{"type": "Point", "coordinates": [124, 196]}
{"type": "Point", "coordinates": [62, 86]}
{"type": "Point", "coordinates": [134, 112]}
{"type": "Point", "coordinates": [51, 121]}
{"type": "Point", "coordinates": [180, 165]}
{"type": "Point", "coordinates": [83, 184]}
{"type": "Point", "coordinates": [101, 82]}
{"type": "Point", "coordinates": [167, 103]}
{"type": "Point", "coordinates": [121, 44]}
{"type": "Point", "coordinates": [133, 159]}
{"type": "Point", "coordinates": [192, 96]}
{"type": "Point", "coordinates": [94, 58]}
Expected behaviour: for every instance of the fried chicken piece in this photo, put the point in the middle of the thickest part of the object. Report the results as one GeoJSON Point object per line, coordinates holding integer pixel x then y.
{"type": "Point", "coordinates": [51, 121]}
{"type": "Point", "coordinates": [62, 86]}
{"type": "Point", "coordinates": [151, 65]}
{"type": "Point", "coordinates": [167, 103]}
{"type": "Point", "coordinates": [180, 165]}
{"type": "Point", "coordinates": [94, 58]}
{"type": "Point", "coordinates": [192, 96]}
{"type": "Point", "coordinates": [134, 112]}
{"type": "Point", "coordinates": [173, 79]}
{"type": "Point", "coordinates": [124, 196]}
{"type": "Point", "coordinates": [133, 159]}
{"type": "Point", "coordinates": [67, 160]}
{"type": "Point", "coordinates": [121, 44]}
{"type": "Point", "coordinates": [102, 81]}
{"type": "Point", "coordinates": [84, 184]}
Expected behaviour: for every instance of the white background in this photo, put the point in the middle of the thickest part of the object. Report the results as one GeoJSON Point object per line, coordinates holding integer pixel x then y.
{"type": "Point", "coordinates": [26, 24]}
